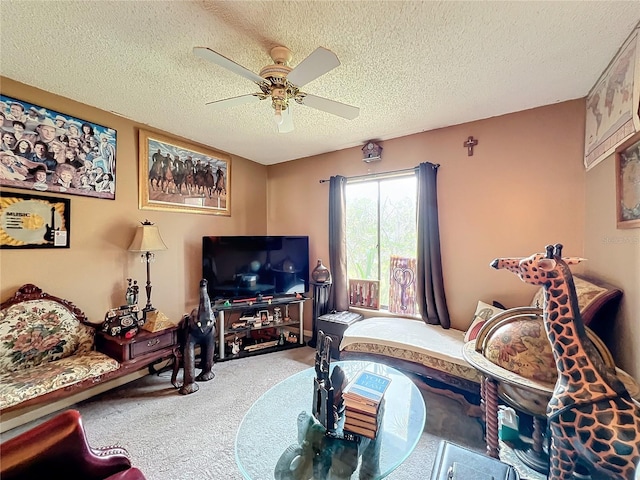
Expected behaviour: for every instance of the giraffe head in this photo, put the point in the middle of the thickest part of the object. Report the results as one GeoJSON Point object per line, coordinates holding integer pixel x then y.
{"type": "Point", "coordinates": [539, 268]}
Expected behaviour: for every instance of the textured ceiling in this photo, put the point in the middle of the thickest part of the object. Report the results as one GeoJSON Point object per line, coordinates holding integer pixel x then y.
{"type": "Point", "coordinates": [410, 66]}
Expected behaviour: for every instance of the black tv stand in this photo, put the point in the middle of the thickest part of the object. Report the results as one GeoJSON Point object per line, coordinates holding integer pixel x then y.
{"type": "Point", "coordinates": [230, 307]}
{"type": "Point", "coordinates": [268, 299]}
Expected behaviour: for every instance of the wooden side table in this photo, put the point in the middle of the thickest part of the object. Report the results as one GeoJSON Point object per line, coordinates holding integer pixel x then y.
{"type": "Point", "coordinates": [333, 325]}
{"type": "Point", "coordinates": [143, 350]}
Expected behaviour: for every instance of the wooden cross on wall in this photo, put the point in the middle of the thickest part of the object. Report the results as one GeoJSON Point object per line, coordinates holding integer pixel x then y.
{"type": "Point", "coordinates": [470, 143]}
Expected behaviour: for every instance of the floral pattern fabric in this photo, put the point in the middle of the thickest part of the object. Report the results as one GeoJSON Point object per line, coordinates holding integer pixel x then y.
{"type": "Point", "coordinates": [454, 369]}
{"type": "Point", "coordinates": [40, 331]}
{"type": "Point", "coordinates": [44, 348]}
{"type": "Point", "coordinates": [25, 384]}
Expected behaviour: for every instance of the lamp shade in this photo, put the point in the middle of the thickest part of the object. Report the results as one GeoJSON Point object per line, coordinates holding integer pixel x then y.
{"type": "Point", "coordinates": [147, 239]}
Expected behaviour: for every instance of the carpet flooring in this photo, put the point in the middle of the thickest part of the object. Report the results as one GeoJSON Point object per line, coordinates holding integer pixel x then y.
{"type": "Point", "coordinates": [175, 437]}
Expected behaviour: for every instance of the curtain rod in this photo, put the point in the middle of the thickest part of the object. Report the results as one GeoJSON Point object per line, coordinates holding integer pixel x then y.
{"type": "Point", "coordinates": [374, 175]}
{"type": "Point", "coordinates": [380, 174]}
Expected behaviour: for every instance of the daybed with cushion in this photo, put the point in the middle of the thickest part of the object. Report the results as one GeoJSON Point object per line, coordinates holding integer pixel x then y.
{"type": "Point", "coordinates": [413, 346]}
{"type": "Point", "coordinates": [436, 353]}
{"type": "Point", "coordinates": [46, 350]}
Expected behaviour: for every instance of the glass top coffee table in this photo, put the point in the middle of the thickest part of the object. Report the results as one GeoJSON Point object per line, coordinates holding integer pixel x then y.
{"type": "Point", "coordinates": [271, 434]}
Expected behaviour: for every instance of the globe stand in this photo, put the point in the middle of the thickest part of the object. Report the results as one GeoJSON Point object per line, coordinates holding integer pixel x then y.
{"type": "Point", "coordinates": [536, 457]}
{"type": "Point", "coordinates": [538, 461]}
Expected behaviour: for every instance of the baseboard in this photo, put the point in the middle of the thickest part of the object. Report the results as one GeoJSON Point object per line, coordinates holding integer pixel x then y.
{"type": "Point", "coordinates": [16, 418]}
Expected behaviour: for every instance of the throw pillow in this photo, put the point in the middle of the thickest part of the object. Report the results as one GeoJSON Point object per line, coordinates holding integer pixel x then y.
{"type": "Point", "coordinates": [484, 312]}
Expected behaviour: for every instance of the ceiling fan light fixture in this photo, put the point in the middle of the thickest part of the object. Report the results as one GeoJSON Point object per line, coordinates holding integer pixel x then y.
{"type": "Point", "coordinates": [282, 83]}
{"type": "Point", "coordinates": [275, 73]}
{"type": "Point", "coordinates": [278, 116]}
{"type": "Point", "coordinates": [281, 55]}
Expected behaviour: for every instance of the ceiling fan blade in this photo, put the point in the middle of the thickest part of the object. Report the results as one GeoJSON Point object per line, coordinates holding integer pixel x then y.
{"type": "Point", "coordinates": [287, 121]}
{"type": "Point", "coordinates": [330, 106]}
{"type": "Point", "coordinates": [233, 101]}
{"type": "Point", "coordinates": [215, 57]}
{"type": "Point", "coordinates": [318, 63]}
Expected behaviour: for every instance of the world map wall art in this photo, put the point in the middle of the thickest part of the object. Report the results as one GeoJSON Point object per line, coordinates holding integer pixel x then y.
{"type": "Point", "coordinates": [613, 104]}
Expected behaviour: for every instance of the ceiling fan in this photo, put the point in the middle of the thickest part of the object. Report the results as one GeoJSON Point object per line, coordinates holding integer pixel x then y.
{"type": "Point", "coordinates": [281, 84]}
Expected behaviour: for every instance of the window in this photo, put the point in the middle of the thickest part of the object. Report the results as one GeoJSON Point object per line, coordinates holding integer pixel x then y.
{"type": "Point", "coordinates": [381, 222]}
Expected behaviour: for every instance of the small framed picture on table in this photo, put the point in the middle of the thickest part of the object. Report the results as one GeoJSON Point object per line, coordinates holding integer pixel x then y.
{"type": "Point", "coordinates": [264, 317]}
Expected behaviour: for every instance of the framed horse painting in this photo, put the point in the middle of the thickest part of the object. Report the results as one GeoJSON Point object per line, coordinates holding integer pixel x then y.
{"type": "Point", "coordinates": [179, 177]}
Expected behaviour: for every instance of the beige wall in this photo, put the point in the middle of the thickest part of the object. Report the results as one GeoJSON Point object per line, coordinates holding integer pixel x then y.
{"type": "Point", "coordinates": [93, 272]}
{"type": "Point", "coordinates": [614, 255]}
{"type": "Point", "coordinates": [524, 187]}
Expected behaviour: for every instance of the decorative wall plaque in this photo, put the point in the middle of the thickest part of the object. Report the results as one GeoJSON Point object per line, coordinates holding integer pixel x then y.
{"type": "Point", "coordinates": [33, 221]}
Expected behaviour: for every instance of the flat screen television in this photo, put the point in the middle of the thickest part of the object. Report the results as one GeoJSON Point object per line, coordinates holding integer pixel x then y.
{"type": "Point", "coordinates": [244, 266]}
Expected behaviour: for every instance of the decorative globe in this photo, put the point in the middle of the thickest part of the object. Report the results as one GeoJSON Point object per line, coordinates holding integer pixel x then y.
{"type": "Point", "coordinates": [521, 346]}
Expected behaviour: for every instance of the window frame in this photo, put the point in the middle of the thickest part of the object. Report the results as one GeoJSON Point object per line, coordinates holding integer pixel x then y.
{"type": "Point", "coordinates": [378, 179]}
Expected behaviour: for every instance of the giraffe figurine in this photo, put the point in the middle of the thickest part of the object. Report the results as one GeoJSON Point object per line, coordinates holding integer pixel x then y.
{"type": "Point", "coordinates": [591, 416]}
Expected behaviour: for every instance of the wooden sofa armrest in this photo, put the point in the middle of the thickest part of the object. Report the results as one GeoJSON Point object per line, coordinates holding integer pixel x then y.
{"type": "Point", "coordinates": [29, 291]}
{"type": "Point", "coordinates": [58, 449]}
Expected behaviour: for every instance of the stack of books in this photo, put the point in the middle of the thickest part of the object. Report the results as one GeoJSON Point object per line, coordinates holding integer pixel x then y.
{"type": "Point", "coordinates": [363, 399]}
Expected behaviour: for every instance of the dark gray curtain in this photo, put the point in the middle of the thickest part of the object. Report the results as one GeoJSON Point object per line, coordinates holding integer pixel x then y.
{"type": "Point", "coordinates": [339, 295]}
{"type": "Point", "coordinates": [430, 285]}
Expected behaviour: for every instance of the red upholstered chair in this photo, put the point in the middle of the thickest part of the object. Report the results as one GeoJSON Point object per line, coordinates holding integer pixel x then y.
{"type": "Point", "coordinates": [58, 449]}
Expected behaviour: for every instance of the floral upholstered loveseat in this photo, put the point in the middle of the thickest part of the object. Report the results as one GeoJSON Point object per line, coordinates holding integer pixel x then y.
{"type": "Point", "coordinates": [46, 350]}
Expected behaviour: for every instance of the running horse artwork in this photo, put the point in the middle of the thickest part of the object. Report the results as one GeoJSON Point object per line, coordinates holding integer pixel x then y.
{"type": "Point", "coordinates": [220, 187]}
{"type": "Point", "coordinates": [591, 416]}
{"type": "Point", "coordinates": [168, 185]}
{"type": "Point", "coordinates": [156, 172]}
{"type": "Point", "coordinates": [176, 176]}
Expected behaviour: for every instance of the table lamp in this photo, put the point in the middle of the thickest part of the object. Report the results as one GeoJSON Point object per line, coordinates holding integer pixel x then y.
{"type": "Point", "coordinates": [147, 240]}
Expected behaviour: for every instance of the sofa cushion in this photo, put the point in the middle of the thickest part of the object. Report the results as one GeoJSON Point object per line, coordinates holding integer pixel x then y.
{"type": "Point", "coordinates": [411, 340]}
{"type": "Point", "coordinates": [484, 312]}
{"type": "Point", "coordinates": [37, 331]}
{"type": "Point", "coordinates": [25, 384]}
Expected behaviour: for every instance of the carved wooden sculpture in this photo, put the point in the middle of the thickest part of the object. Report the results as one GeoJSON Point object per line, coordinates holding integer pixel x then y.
{"type": "Point", "coordinates": [327, 389]}
{"type": "Point", "coordinates": [199, 328]}
{"type": "Point", "coordinates": [591, 416]}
